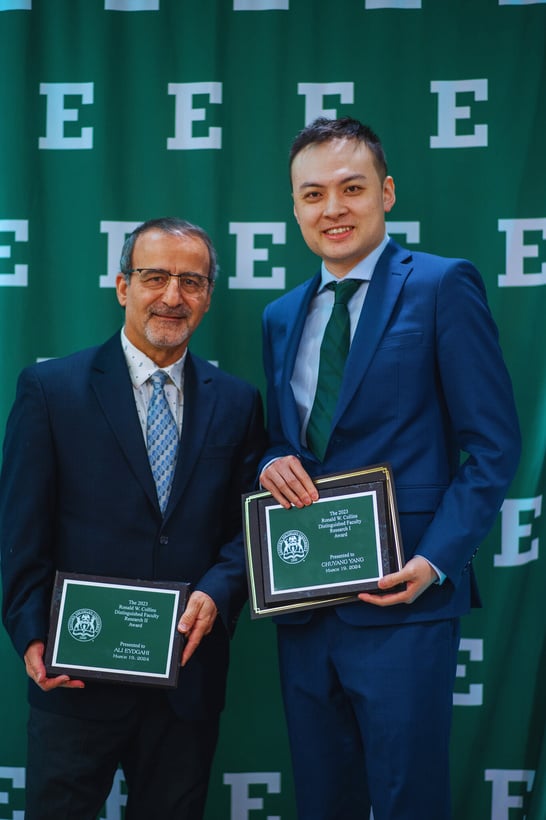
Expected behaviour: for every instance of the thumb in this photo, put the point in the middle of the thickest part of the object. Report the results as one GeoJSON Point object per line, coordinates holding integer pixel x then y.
{"type": "Point", "coordinates": [391, 580]}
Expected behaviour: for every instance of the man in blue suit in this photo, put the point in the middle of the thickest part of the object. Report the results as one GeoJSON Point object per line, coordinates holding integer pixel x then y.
{"type": "Point", "coordinates": [77, 494]}
{"type": "Point", "coordinates": [368, 685]}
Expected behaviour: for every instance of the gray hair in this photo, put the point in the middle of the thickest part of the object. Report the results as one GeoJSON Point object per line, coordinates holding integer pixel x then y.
{"type": "Point", "coordinates": [172, 225]}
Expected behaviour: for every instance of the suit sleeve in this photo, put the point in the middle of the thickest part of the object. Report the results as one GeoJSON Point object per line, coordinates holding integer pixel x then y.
{"type": "Point", "coordinates": [278, 445]}
{"type": "Point", "coordinates": [27, 509]}
{"type": "Point", "coordinates": [480, 404]}
{"type": "Point", "coordinates": [226, 581]}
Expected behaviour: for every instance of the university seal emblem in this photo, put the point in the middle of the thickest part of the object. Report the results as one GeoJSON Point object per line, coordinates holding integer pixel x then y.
{"type": "Point", "coordinates": [84, 624]}
{"type": "Point", "coordinates": [292, 547]}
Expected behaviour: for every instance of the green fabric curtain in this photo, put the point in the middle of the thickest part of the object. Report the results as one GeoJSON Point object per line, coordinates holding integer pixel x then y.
{"type": "Point", "coordinates": [116, 111]}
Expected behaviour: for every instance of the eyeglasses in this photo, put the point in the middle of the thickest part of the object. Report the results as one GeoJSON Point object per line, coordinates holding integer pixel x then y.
{"type": "Point", "coordinates": [192, 284]}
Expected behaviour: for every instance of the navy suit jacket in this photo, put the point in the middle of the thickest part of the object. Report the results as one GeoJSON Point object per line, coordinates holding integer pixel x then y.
{"type": "Point", "coordinates": [77, 494]}
{"type": "Point", "coordinates": [426, 390]}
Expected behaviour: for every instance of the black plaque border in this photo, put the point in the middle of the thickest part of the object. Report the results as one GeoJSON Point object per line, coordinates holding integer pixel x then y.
{"type": "Point", "coordinates": [379, 478]}
{"type": "Point", "coordinates": [53, 669]}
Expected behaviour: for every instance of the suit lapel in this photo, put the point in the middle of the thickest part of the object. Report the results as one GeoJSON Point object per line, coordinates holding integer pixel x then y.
{"type": "Point", "coordinates": [388, 279]}
{"type": "Point", "coordinates": [112, 385]}
{"type": "Point", "coordinates": [296, 314]}
{"type": "Point", "coordinates": [199, 406]}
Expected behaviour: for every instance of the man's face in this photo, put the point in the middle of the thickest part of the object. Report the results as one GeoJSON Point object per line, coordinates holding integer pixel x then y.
{"type": "Point", "coordinates": [161, 323]}
{"type": "Point", "coordinates": [340, 201]}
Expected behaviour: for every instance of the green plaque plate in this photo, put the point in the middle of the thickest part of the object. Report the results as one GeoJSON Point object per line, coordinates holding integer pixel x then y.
{"type": "Point", "coordinates": [326, 553]}
{"type": "Point", "coordinates": [116, 629]}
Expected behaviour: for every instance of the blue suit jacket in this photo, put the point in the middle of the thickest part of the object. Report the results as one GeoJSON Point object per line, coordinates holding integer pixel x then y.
{"type": "Point", "coordinates": [77, 494]}
{"type": "Point", "coordinates": [425, 389]}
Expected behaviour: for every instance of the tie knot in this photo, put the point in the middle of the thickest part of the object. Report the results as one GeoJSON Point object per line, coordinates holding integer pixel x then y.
{"type": "Point", "coordinates": [158, 379]}
{"type": "Point", "coordinates": [344, 290]}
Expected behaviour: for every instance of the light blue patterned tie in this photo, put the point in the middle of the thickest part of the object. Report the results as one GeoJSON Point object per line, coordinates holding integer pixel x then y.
{"type": "Point", "coordinates": [161, 438]}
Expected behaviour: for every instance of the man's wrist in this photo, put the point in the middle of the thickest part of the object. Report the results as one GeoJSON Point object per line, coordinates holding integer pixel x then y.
{"type": "Point", "coordinates": [440, 576]}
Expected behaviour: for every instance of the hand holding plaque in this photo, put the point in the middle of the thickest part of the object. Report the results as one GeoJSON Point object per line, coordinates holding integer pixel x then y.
{"type": "Point", "coordinates": [325, 553]}
{"type": "Point", "coordinates": [116, 629]}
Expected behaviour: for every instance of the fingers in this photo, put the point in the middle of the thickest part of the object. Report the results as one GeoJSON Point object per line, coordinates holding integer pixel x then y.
{"type": "Point", "coordinates": [62, 680]}
{"type": "Point", "coordinates": [36, 670]}
{"type": "Point", "coordinates": [34, 661]}
{"type": "Point", "coordinates": [417, 575]}
{"type": "Point", "coordinates": [289, 482]}
{"type": "Point", "coordinates": [196, 622]}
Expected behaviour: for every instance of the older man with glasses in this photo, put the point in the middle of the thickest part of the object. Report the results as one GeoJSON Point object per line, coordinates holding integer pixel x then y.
{"type": "Point", "coordinates": [128, 461]}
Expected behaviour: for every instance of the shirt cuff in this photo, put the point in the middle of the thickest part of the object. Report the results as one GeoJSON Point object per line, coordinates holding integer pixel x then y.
{"type": "Point", "coordinates": [441, 575]}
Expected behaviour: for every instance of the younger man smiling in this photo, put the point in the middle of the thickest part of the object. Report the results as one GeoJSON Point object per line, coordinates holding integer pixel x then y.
{"type": "Point", "coordinates": [368, 685]}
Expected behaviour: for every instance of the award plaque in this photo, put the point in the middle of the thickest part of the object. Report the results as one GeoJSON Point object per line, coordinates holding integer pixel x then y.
{"type": "Point", "coordinates": [325, 553]}
{"type": "Point", "coordinates": [116, 629]}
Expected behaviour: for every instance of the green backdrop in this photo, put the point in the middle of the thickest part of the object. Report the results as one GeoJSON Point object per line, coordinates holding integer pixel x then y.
{"type": "Point", "coordinates": [116, 111]}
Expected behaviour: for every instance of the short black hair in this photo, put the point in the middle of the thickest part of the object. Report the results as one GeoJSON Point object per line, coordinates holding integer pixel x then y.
{"type": "Point", "coordinates": [325, 130]}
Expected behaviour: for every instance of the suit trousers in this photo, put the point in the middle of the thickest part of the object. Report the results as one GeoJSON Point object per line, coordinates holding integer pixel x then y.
{"type": "Point", "coordinates": [369, 713]}
{"type": "Point", "coordinates": [166, 761]}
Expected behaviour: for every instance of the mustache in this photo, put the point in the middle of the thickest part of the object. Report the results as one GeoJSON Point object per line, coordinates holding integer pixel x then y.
{"type": "Point", "coordinates": [171, 313]}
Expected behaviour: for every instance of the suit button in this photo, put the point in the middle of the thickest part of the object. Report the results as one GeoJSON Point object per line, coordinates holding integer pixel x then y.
{"type": "Point", "coordinates": [164, 539]}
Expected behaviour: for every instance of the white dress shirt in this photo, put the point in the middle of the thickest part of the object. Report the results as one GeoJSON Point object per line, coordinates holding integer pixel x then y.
{"type": "Point", "coordinates": [141, 367]}
{"type": "Point", "coordinates": [305, 375]}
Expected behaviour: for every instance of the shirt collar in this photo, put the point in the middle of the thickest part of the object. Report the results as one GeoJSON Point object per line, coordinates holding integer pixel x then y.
{"type": "Point", "coordinates": [363, 270]}
{"type": "Point", "coordinates": [141, 367]}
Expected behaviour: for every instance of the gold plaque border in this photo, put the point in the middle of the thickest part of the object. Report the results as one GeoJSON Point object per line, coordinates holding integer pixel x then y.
{"type": "Point", "coordinates": [255, 538]}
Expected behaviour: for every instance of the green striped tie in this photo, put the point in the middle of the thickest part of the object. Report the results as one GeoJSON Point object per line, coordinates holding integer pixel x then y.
{"type": "Point", "coordinates": [333, 353]}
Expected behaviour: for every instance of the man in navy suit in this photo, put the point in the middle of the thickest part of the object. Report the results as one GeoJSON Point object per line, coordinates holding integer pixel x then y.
{"type": "Point", "coordinates": [77, 494]}
{"type": "Point", "coordinates": [368, 685]}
